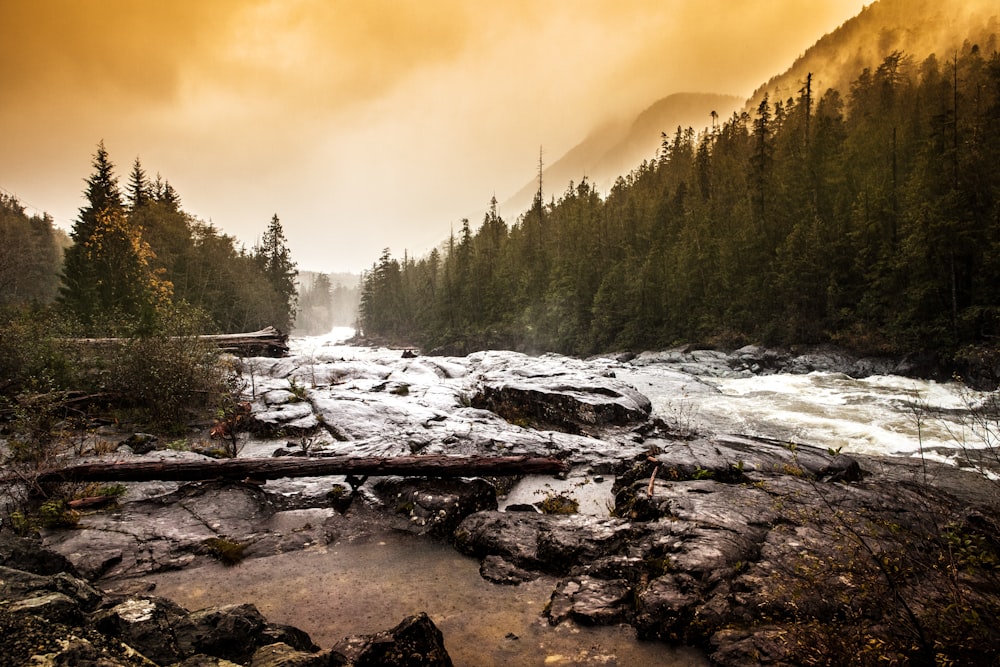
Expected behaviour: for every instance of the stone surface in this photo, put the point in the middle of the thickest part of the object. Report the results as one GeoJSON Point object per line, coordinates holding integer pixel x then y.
{"type": "Point", "coordinates": [729, 546]}
{"type": "Point", "coordinates": [752, 549]}
{"type": "Point", "coordinates": [39, 625]}
{"type": "Point", "coordinates": [415, 642]}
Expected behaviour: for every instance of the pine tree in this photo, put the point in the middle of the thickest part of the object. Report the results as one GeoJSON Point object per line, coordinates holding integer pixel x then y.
{"type": "Point", "coordinates": [140, 191]}
{"type": "Point", "coordinates": [79, 290]}
{"type": "Point", "coordinates": [275, 260]}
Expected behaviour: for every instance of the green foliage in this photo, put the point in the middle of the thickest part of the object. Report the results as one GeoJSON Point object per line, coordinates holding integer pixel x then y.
{"type": "Point", "coordinates": [127, 264]}
{"type": "Point", "coordinates": [165, 380]}
{"type": "Point", "coordinates": [227, 552]}
{"type": "Point", "coordinates": [35, 428]}
{"type": "Point", "coordinates": [559, 503]}
{"type": "Point", "coordinates": [30, 256]}
{"type": "Point", "coordinates": [299, 391]}
{"type": "Point", "coordinates": [33, 355]}
{"type": "Point", "coordinates": [55, 514]}
{"type": "Point", "coordinates": [864, 217]}
{"type": "Point", "coordinates": [103, 490]}
{"type": "Point", "coordinates": [275, 262]}
{"type": "Point", "coordinates": [702, 473]}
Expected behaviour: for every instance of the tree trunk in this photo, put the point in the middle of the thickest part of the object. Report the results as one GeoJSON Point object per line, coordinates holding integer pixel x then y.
{"type": "Point", "coordinates": [267, 342]}
{"type": "Point", "coordinates": [275, 468]}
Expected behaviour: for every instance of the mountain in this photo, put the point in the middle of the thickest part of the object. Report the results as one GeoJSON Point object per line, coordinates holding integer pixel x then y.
{"type": "Point", "coordinates": [917, 28]}
{"type": "Point", "coordinates": [615, 149]}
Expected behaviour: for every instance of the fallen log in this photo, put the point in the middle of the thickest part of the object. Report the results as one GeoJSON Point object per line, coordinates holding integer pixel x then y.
{"type": "Point", "coordinates": [268, 342]}
{"type": "Point", "coordinates": [276, 468]}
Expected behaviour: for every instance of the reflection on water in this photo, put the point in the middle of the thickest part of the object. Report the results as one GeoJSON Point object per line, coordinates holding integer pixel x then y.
{"type": "Point", "coordinates": [362, 588]}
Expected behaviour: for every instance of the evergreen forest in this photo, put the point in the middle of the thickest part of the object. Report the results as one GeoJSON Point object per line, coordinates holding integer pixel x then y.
{"type": "Point", "coordinates": [137, 263]}
{"type": "Point", "coordinates": [866, 217]}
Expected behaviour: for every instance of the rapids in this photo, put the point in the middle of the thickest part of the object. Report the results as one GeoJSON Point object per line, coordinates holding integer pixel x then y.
{"type": "Point", "coordinates": [366, 586]}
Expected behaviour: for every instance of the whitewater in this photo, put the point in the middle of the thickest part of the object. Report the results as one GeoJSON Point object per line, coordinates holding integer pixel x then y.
{"type": "Point", "coordinates": [884, 415]}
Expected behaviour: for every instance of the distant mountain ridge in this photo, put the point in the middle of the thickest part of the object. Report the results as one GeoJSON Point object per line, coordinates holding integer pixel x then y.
{"type": "Point", "coordinates": [917, 28]}
{"type": "Point", "coordinates": [615, 149]}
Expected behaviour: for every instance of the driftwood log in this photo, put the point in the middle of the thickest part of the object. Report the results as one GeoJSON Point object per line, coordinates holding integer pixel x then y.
{"type": "Point", "coordinates": [267, 342]}
{"type": "Point", "coordinates": [276, 468]}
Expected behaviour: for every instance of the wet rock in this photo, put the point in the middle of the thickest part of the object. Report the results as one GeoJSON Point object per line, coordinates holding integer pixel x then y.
{"type": "Point", "coordinates": [140, 443]}
{"type": "Point", "coordinates": [591, 601]}
{"type": "Point", "coordinates": [168, 531]}
{"type": "Point", "coordinates": [28, 554]}
{"type": "Point", "coordinates": [228, 632]}
{"type": "Point", "coordinates": [288, 635]}
{"type": "Point", "coordinates": [543, 542]}
{"type": "Point", "coordinates": [15, 584]}
{"type": "Point", "coordinates": [570, 407]}
{"type": "Point", "coordinates": [415, 642]}
{"type": "Point", "coordinates": [499, 571]}
{"type": "Point", "coordinates": [52, 606]}
{"type": "Point", "coordinates": [749, 551]}
{"type": "Point", "coordinates": [436, 506]}
{"type": "Point", "coordinates": [283, 655]}
{"type": "Point", "coordinates": [146, 624]}
{"type": "Point", "coordinates": [667, 606]}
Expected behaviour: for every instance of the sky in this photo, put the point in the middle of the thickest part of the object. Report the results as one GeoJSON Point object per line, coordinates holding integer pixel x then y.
{"type": "Point", "coordinates": [363, 124]}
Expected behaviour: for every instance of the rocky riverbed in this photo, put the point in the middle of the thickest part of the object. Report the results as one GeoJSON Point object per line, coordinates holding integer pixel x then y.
{"type": "Point", "coordinates": [747, 549]}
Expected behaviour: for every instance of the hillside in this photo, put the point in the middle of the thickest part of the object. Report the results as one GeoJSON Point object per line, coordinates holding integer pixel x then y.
{"type": "Point", "coordinates": [917, 28]}
{"type": "Point", "coordinates": [615, 149]}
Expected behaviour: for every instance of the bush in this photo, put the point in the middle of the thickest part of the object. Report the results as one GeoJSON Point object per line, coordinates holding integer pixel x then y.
{"type": "Point", "coordinates": [166, 376]}
{"type": "Point", "coordinates": [33, 353]}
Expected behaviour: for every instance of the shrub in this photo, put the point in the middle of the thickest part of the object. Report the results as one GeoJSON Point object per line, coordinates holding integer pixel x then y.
{"type": "Point", "coordinates": [559, 503]}
{"type": "Point", "coordinates": [227, 552]}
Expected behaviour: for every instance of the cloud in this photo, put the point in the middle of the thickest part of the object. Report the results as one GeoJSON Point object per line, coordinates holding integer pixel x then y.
{"type": "Point", "coordinates": [381, 122]}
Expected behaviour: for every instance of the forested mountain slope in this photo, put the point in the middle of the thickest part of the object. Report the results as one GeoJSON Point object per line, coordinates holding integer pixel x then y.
{"type": "Point", "coordinates": [866, 215]}
{"type": "Point", "coordinates": [917, 28]}
{"type": "Point", "coordinates": [616, 148]}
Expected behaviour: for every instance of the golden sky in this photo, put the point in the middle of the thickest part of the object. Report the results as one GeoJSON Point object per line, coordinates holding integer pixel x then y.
{"type": "Point", "coordinates": [363, 124]}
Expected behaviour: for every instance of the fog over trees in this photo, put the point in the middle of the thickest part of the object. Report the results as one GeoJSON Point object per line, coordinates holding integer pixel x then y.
{"type": "Point", "coordinates": [868, 217]}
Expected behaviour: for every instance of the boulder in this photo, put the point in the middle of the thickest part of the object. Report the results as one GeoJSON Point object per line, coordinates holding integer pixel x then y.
{"type": "Point", "coordinates": [572, 408]}
{"type": "Point", "coordinates": [500, 571]}
{"type": "Point", "coordinates": [591, 601]}
{"type": "Point", "coordinates": [229, 632]}
{"type": "Point", "coordinates": [436, 506]}
{"type": "Point", "coordinates": [283, 655]}
{"type": "Point", "coordinates": [415, 642]}
{"type": "Point", "coordinates": [146, 624]}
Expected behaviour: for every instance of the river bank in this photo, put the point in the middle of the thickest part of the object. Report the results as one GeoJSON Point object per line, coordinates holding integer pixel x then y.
{"type": "Point", "coordinates": [732, 545]}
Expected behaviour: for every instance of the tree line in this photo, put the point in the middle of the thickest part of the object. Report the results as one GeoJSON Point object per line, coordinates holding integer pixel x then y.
{"type": "Point", "coordinates": [868, 218]}
{"type": "Point", "coordinates": [136, 261]}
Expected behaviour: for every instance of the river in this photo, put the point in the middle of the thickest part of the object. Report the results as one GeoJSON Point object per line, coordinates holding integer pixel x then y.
{"type": "Point", "coordinates": [367, 586]}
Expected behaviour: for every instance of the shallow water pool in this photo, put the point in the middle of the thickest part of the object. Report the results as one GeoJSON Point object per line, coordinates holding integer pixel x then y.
{"type": "Point", "coordinates": [371, 585]}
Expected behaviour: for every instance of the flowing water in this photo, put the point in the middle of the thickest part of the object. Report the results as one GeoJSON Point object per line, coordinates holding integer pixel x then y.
{"type": "Point", "coordinates": [884, 415]}
{"type": "Point", "coordinates": [364, 587]}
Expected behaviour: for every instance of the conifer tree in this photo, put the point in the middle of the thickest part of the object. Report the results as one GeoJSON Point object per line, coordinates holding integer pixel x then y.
{"type": "Point", "coordinates": [140, 191]}
{"type": "Point", "coordinates": [275, 260]}
{"type": "Point", "coordinates": [80, 279]}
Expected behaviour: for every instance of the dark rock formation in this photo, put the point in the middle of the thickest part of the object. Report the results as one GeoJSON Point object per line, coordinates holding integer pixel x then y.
{"type": "Point", "coordinates": [415, 642]}
{"type": "Point", "coordinates": [768, 554]}
{"type": "Point", "coordinates": [60, 619]}
{"type": "Point", "coordinates": [564, 408]}
{"type": "Point", "coordinates": [436, 506]}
